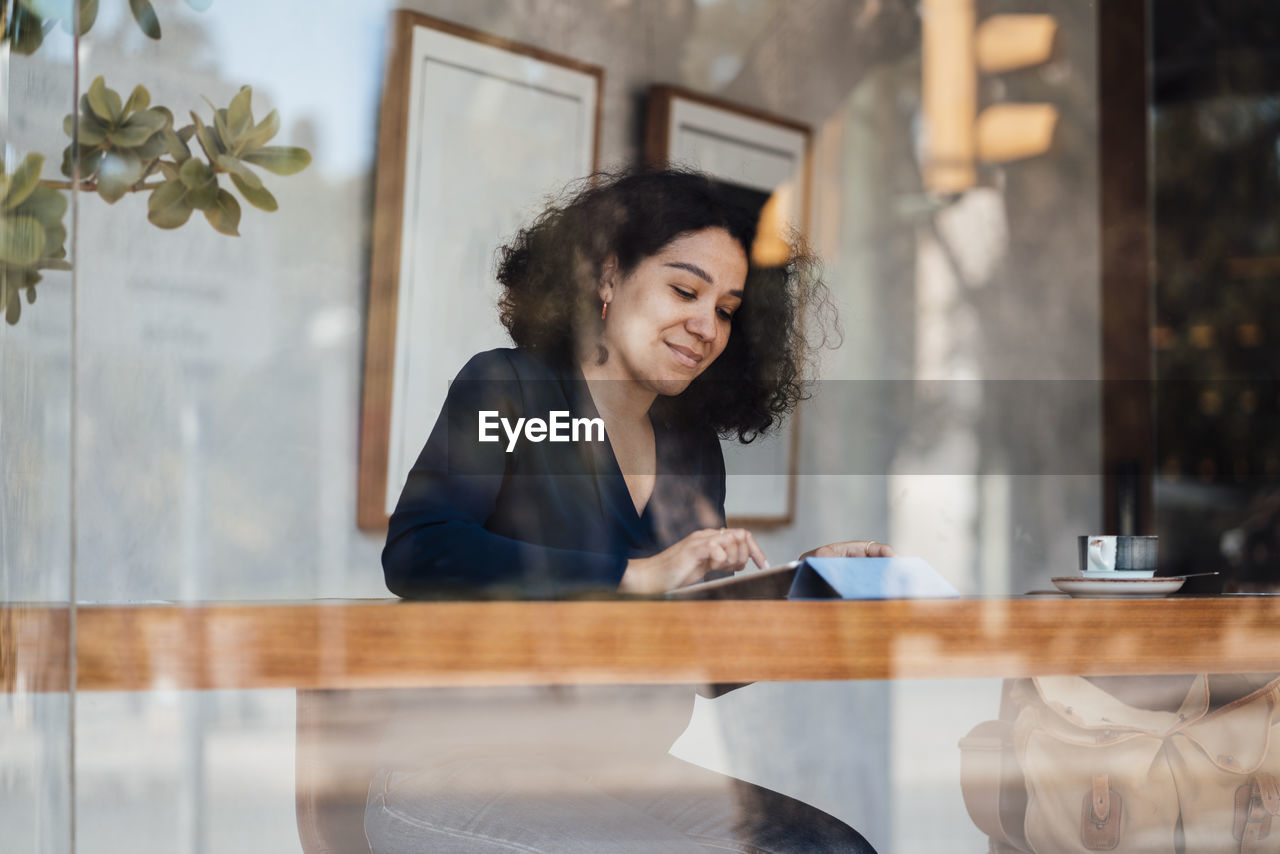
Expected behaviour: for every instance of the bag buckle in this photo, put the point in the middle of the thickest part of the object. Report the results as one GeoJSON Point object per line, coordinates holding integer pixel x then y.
{"type": "Point", "coordinates": [1251, 808]}
{"type": "Point", "coordinates": [1100, 816]}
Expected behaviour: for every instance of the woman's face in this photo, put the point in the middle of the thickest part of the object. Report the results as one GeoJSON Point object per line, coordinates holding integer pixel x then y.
{"type": "Point", "coordinates": [670, 318]}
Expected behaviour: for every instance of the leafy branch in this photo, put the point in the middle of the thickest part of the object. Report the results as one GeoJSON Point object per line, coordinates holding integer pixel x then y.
{"type": "Point", "coordinates": [32, 236]}
{"type": "Point", "coordinates": [121, 146]}
{"type": "Point", "coordinates": [25, 23]}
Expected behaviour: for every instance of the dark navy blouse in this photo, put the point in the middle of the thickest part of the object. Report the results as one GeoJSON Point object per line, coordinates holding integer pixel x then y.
{"type": "Point", "coordinates": [546, 519]}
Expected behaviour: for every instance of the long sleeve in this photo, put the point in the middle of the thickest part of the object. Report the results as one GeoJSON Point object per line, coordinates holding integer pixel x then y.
{"type": "Point", "coordinates": [442, 534]}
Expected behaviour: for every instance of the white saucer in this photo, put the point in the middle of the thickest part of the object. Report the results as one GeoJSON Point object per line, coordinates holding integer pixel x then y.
{"type": "Point", "coordinates": [1105, 588]}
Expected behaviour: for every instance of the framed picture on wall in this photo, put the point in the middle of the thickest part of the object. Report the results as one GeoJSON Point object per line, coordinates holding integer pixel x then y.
{"type": "Point", "coordinates": [764, 160]}
{"type": "Point", "coordinates": [475, 132]}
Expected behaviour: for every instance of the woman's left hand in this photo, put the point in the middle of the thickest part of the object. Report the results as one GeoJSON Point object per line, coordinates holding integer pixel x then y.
{"type": "Point", "coordinates": [852, 548]}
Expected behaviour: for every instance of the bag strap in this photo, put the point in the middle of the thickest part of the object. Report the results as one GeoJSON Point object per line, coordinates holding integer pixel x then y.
{"type": "Point", "coordinates": [991, 783]}
{"type": "Point", "coordinates": [1100, 815]}
{"type": "Point", "coordinates": [1257, 802]}
{"type": "Point", "coordinates": [1101, 797]}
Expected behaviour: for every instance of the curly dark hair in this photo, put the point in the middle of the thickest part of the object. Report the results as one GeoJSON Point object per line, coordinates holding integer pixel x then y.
{"type": "Point", "coordinates": [550, 270]}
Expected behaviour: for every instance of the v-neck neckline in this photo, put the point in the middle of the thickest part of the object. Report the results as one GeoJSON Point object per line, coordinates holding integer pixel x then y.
{"type": "Point", "coordinates": [642, 513]}
{"type": "Point", "coordinates": [613, 489]}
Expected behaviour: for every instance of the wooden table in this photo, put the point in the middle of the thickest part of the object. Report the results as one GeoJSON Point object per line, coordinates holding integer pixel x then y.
{"type": "Point", "coordinates": [376, 643]}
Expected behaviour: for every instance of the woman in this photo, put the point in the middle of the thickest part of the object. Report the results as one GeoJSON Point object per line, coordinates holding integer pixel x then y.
{"type": "Point", "coordinates": [635, 303]}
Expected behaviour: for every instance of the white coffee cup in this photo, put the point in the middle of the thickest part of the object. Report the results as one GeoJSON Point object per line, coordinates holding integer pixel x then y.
{"type": "Point", "coordinates": [1106, 554]}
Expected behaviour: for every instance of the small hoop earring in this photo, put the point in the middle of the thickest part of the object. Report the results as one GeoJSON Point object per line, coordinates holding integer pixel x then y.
{"type": "Point", "coordinates": [604, 309]}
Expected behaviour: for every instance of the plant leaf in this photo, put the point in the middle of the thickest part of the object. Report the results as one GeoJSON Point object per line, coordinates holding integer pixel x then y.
{"type": "Point", "coordinates": [45, 204]}
{"type": "Point", "coordinates": [26, 33]}
{"type": "Point", "coordinates": [90, 161]}
{"type": "Point", "coordinates": [204, 198]}
{"type": "Point", "coordinates": [175, 146]}
{"type": "Point", "coordinates": [259, 197]}
{"type": "Point", "coordinates": [101, 103]}
{"type": "Point", "coordinates": [207, 138]}
{"type": "Point", "coordinates": [155, 119]}
{"type": "Point", "coordinates": [168, 206]}
{"type": "Point", "coordinates": [155, 146]}
{"type": "Point", "coordinates": [237, 167]}
{"type": "Point", "coordinates": [223, 127]}
{"type": "Point", "coordinates": [169, 171]}
{"type": "Point", "coordinates": [263, 132]}
{"type": "Point", "coordinates": [120, 170]}
{"type": "Point", "coordinates": [21, 240]}
{"type": "Point", "coordinates": [201, 184]}
{"type": "Point", "coordinates": [129, 135]}
{"type": "Point", "coordinates": [114, 104]}
{"type": "Point", "coordinates": [166, 114]}
{"type": "Point", "coordinates": [139, 99]}
{"type": "Point", "coordinates": [195, 173]}
{"type": "Point", "coordinates": [91, 130]}
{"type": "Point", "coordinates": [280, 159]}
{"type": "Point", "coordinates": [239, 114]}
{"type": "Point", "coordinates": [55, 238]}
{"type": "Point", "coordinates": [145, 15]}
{"type": "Point", "coordinates": [224, 216]}
{"type": "Point", "coordinates": [88, 14]}
{"type": "Point", "coordinates": [23, 181]}
{"type": "Point", "coordinates": [14, 311]}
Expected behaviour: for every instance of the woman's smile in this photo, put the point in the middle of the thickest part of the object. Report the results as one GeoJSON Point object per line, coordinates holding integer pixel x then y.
{"type": "Point", "coordinates": [685, 356]}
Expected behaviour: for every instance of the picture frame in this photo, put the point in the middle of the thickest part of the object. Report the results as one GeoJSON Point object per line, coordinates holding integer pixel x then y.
{"type": "Point", "coordinates": [475, 131]}
{"type": "Point", "coordinates": [768, 157]}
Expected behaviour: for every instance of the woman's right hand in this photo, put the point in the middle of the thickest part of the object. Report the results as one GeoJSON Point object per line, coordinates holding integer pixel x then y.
{"type": "Point", "coordinates": [686, 562]}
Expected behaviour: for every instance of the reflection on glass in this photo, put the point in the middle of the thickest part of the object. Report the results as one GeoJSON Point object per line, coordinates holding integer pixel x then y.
{"type": "Point", "coordinates": [1155, 763]}
{"type": "Point", "coordinates": [36, 292]}
{"type": "Point", "coordinates": [539, 769]}
{"type": "Point", "coordinates": [1216, 175]}
{"type": "Point", "coordinates": [216, 410]}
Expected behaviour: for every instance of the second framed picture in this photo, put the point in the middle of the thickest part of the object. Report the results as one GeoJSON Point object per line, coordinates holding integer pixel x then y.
{"type": "Point", "coordinates": [764, 160]}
